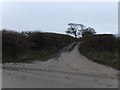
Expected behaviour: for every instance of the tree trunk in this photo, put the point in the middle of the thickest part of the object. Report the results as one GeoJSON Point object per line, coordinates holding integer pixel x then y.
{"type": "Point", "coordinates": [75, 35]}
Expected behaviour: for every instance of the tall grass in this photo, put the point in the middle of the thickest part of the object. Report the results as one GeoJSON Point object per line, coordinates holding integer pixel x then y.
{"type": "Point", "coordinates": [31, 45]}
{"type": "Point", "coordinates": [13, 44]}
{"type": "Point", "coordinates": [102, 48]}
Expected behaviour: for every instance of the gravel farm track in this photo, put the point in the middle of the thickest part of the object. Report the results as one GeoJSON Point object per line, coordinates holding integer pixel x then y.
{"type": "Point", "coordinates": [69, 69]}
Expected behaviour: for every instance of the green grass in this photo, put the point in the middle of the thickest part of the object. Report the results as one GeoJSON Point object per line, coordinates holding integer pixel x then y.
{"type": "Point", "coordinates": [103, 57]}
{"type": "Point", "coordinates": [29, 46]}
{"type": "Point", "coordinates": [42, 53]}
{"type": "Point", "coordinates": [31, 55]}
{"type": "Point", "coordinates": [102, 48]}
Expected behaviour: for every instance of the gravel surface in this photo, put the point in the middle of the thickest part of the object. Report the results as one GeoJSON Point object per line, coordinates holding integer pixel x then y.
{"type": "Point", "coordinates": [70, 69]}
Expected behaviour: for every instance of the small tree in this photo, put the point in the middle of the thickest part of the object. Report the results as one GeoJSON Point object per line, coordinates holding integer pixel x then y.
{"type": "Point", "coordinates": [87, 31]}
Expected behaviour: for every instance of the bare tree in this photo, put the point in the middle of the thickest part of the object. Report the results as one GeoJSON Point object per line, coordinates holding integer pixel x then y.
{"type": "Point", "coordinates": [74, 29]}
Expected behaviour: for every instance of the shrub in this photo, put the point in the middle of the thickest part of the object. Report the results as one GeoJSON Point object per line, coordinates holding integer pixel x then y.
{"type": "Point", "coordinates": [17, 46]}
{"type": "Point", "coordinates": [100, 42]}
{"type": "Point", "coordinates": [43, 40]}
{"type": "Point", "coordinates": [13, 43]}
{"type": "Point", "coordinates": [102, 48]}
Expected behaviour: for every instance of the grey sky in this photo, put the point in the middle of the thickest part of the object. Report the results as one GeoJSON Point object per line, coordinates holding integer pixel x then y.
{"type": "Point", "coordinates": [54, 17]}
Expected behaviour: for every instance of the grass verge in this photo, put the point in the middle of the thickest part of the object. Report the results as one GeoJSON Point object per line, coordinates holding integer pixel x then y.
{"type": "Point", "coordinates": [103, 49]}
{"type": "Point", "coordinates": [106, 58]}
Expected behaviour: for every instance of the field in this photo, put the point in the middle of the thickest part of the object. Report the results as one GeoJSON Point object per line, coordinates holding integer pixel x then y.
{"type": "Point", "coordinates": [102, 48]}
{"type": "Point", "coordinates": [28, 46]}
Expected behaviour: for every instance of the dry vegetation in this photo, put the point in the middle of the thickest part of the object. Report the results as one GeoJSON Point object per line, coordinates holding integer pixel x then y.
{"type": "Point", "coordinates": [102, 48]}
{"type": "Point", "coordinates": [21, 47]}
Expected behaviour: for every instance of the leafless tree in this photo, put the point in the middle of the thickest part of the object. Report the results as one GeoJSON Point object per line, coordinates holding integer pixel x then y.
{"type": "Point", "coordinates": [79, 29]}
{"type": "Point", "coordinates": [74, 29]}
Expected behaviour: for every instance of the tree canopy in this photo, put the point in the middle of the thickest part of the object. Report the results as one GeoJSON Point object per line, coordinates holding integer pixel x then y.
{"type": "Point", "coordinates": [79, 29]}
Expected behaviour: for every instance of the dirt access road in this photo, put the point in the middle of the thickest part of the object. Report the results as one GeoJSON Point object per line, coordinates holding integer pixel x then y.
{"type": "Point", "coordinates": [68, 70]}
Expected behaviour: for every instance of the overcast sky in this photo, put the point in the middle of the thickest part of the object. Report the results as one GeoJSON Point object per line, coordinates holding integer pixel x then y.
{"type": "Point", "coordinates": [54, 17]}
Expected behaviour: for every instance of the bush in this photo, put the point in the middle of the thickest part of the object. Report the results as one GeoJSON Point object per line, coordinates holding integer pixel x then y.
{"type": "Point", "coordinates": [13, 43]}
{"type": "Point", "coordinates": [102, 48]}
{"type": "Point", "coordinates": [43, 40]}
{"type": "Point", "coordinates": [118, 44]}
{"type": "Point", "coordinates": [100, 42]}
{"type": "Point", "coordinates": [16, 46]}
